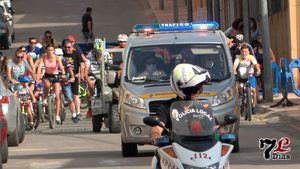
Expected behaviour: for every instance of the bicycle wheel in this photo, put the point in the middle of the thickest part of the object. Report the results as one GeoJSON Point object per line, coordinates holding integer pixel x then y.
{"type": "Point", "coordinates": [41, 110]}
{"type": "Point", "coordinates": [51, 112]}
{"type": "Point", "coordinates": [36, 116]}
{"type": "Point", "coordinates": [249, 105]}
{"type": "Point", "coordinates": [62, 112]}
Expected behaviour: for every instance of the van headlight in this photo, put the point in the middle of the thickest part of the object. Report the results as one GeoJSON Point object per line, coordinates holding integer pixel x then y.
{"type": "Point", "coordinates": [223, 97]}
{"type": "Point", "coordinates": [134, 101]}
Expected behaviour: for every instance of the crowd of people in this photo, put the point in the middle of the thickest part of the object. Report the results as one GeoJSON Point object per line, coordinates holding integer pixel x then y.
{"type": "Point", "coordinates": [63, 66]}
{"type": "Point", "coordinates": [249, 55]}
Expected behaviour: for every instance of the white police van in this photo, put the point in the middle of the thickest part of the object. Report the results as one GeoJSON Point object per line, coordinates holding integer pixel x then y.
{"type": "Point", "coordinates": [152, 52]}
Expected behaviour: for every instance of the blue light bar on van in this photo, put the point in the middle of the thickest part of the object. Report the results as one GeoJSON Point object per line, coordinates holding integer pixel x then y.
{"type": "Point", "coordinates": [188, 26]}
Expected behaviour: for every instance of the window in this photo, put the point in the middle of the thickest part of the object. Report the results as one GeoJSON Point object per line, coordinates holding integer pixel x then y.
{"type": "Point", "coordinates": [155, 63]}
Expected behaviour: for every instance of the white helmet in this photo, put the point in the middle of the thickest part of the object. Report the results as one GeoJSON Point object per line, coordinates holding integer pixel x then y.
{"type": "Point", "coordinates": [122, 38]}
{"type": "Point", "coordinates": [187, 79]}
{"type": "Point", "coordinates": [239, 38]}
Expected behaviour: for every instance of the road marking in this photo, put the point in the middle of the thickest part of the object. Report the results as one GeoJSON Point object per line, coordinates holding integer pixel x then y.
{"type": "Point", "coordinates": [28, 149]}
{"type": "Point", "coordinates": [45, 25]}
{"type": "Point", "coordinates": [18, 17]}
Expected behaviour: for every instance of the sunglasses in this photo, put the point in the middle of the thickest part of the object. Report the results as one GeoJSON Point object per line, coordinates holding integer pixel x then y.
{"type": "Point", "coordinates": [20, 57]}
{"type": "Point", "coordinates": [33, 42]}
{"type": "Point", "coordinates": [68, 47]}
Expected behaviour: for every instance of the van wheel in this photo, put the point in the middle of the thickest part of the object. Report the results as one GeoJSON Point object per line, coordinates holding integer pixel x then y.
{"type": "Point", "coordinates": [129, 149]}
{"type": "Point", "coordinates": [114, 121]}
{"type": "Point", "coordinates": [4, 152]}
{"type": "Point", "coordinates": [97, 123]}
{"type": "Point", "coordinates": [236, 145]}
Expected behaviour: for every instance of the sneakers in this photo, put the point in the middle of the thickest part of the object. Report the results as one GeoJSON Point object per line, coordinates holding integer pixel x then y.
{"type": "Point", "coordinates": [79, 116]}
{"type": "Point", "coordinates": [57, 119]}
{"type": "Point", "coordinates": [30, 128]}
{"type": "Point", "coordinates": [75, 119]}
{"type": "Point", "coordinates": [89, 113]}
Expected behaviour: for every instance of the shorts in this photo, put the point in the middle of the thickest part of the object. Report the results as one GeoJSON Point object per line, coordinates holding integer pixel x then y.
{"type": "Point", "coordinates": [67, 91]}
{"type": "Point", "coordinates": [75, 87]}
{"type": "Point", "coordinates": [252, 81]}
{"type": "Point", "coordinates": [53, 78]}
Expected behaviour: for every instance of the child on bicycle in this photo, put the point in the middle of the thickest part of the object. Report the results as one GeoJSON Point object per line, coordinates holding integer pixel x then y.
{"type": "Point", "coordinates": [25, 94]}
{"type": "Point", "coordinates": [247, 62]}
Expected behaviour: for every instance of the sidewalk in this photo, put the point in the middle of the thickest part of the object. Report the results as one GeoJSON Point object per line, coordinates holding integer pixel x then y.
{"type": "Point", "coordinates": [288, 115]}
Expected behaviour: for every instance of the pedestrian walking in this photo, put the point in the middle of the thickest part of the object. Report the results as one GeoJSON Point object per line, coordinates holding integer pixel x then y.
{"type": "Point", "coordinates": [87, 25]}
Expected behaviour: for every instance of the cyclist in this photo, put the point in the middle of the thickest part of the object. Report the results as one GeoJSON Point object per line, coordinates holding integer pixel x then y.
{"type": "Point", "coordinates": [93, 72]}
{"type": "Point", "coordinates": [24, 94]}
{"type": "Point", "coordinates": [32, 49]}
{"type": "Point", "coordinates": [235, 48]}
{"type": "Point", "coordinates": [122, 40]}
{"type": "Point", "coordinates": [52, 64]}
{"type": "Point", "coordinates": [66, 84]}
{"type": "Point", "coordinates": [18, 66]}
{"type": "Point", "coordinates": [75, 59]}
{"type": "Point", "coordinates": [187, 82]}
{"type": "Point", "coordinates": [28, 57]}
{"type": "Point", "coordinates": [247, 61]}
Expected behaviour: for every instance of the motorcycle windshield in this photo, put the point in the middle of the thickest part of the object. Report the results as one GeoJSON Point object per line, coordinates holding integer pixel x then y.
{"type": "Point", "coordinates": [192, 118]}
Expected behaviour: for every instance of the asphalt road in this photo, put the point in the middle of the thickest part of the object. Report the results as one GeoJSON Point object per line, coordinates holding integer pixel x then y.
{"type": "Point", "coordinates": [74, 145]}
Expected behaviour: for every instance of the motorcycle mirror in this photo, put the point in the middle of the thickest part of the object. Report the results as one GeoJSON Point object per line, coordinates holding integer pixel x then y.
{"type": "Point", "coordinates": [230, 119]}
{"type": "Point", "coordinates": [151, 121]}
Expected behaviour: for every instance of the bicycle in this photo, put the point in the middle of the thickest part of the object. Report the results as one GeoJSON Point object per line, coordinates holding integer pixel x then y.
{"type": "Point", "coordinates": [39, 107]}
{"type": "Point", "coordinates": [25, 102]}
{"type": "Point", "coordinates": [246, 98]}
{"type": "Point", "coordinates": [50, 104]}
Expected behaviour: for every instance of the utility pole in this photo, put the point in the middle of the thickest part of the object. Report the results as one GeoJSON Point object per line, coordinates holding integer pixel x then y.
{"type": "Point", "coordinates": [175, 10]}
{"type": "Point", "coordinates": [246, 20]}
{"type": "Point", "coordinates": [209, 8]}
{"type": "Point", "coordinates": [267, 85]}
{"type": "Point", "coordinates": [231, 11]}
{"type": "Point", "coordinates": [217, 11]}
{"type": "Point", "coordinates": [190, 10]}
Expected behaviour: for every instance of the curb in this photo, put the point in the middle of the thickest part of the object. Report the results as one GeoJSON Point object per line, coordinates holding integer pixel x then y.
{"type": "Point", "coordinates": [269, 114]}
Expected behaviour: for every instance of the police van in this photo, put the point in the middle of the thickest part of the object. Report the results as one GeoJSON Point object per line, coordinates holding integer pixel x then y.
{"type": "Point", "coordinates": [153, 50]}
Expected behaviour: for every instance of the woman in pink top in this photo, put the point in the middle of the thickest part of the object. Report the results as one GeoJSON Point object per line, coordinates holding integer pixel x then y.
{"type": "Point", "coordinates": [52, 63]}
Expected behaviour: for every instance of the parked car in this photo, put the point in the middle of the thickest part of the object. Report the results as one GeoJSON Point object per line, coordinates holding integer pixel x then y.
{"type": "Point", "coordinates": [5, 32]}
{"type": "Point", "coordinates": [8, 14]}
{"type": "Point", "coordinates": [3, 137]}
{"type": "Point", "coordinates": [11, 110]}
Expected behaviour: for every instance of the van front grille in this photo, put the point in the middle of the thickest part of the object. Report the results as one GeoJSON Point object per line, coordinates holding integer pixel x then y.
{"type": "Point", "coordinates": [153, 106]}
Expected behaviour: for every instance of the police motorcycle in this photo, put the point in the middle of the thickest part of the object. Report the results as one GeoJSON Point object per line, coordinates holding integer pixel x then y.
{"type": "Point", "coordinates": [194, 141]}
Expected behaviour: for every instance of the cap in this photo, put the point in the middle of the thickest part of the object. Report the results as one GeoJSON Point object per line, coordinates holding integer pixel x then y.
{"type": "Point", "coordinates": [71, 38]}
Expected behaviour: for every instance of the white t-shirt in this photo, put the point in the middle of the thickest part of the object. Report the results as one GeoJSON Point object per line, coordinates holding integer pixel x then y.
{"type": "Point", "coordinates": [245, 65]}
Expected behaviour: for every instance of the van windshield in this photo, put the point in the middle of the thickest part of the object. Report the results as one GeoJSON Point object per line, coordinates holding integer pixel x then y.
{"type": "Point", "coordinates": [153, 64]}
